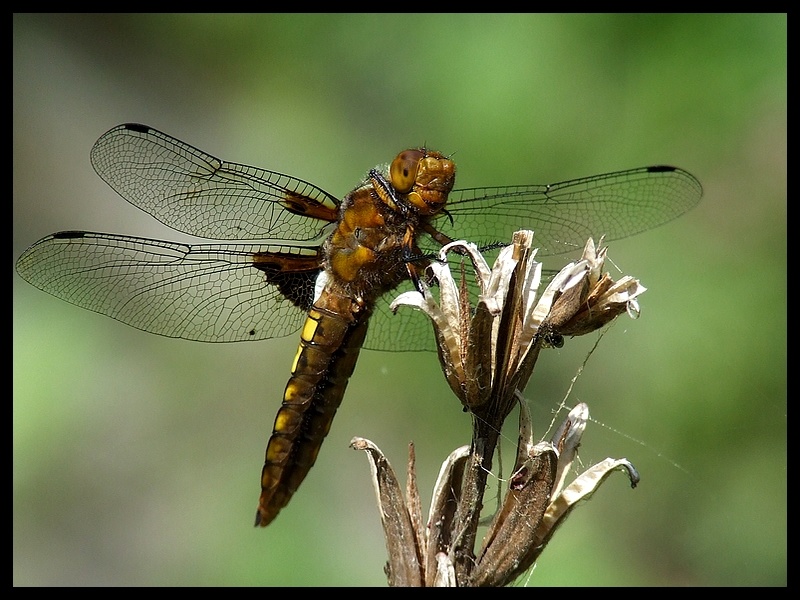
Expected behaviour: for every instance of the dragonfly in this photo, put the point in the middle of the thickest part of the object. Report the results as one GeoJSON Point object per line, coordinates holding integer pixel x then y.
{"type": "Point", "coordinates": [288, 256]}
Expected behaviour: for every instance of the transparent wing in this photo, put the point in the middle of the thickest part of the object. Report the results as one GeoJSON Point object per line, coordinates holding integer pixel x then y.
{"type": "Point", "coordinates": [564, 215]}
{"type": "Point", "coordinates": [404, 331]}
{"type": "Point", "coordinates": [194, 192]}
{"type": "Point", "coordinates": [209, 293]}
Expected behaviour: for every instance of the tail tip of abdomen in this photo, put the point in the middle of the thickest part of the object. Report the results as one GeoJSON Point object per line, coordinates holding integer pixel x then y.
{"type": "Point", "coordinates": [263, 518]}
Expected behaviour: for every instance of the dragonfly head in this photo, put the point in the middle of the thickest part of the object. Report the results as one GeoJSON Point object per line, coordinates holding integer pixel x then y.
{"type": "Point", "coordinates": [423, 178]}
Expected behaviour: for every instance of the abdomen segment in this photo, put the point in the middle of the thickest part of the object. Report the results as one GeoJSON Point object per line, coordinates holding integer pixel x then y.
{"type": "Point", "coordinates": [329, 346]}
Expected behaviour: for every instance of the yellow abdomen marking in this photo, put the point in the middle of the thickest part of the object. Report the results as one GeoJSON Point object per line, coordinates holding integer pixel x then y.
{"type": "Point", "coordinates": [296, 358]}
{"type": "Point", "coordinates": [307, 334]}
{"type": "Point", "coordinates": [310, 326]}
{"type": "Point", "coordinates": [292, 392]}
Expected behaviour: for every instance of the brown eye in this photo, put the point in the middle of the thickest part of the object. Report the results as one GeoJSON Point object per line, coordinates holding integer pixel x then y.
{"type": "Point", "coordinates": [403, 171]}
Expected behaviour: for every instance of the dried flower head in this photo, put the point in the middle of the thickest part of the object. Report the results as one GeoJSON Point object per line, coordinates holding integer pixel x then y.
{"type": "Point", "coordinates": [488, 348]}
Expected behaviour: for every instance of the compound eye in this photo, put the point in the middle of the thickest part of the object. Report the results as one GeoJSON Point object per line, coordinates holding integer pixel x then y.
{"type": "Point", "coordinates": [403, 171]}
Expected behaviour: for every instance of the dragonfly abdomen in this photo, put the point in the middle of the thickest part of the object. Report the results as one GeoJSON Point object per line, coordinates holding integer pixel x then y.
{"type": "Point", "coordinates": [326, 357]}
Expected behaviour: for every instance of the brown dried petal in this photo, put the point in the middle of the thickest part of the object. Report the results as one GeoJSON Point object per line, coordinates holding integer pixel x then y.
{"type": "Point", "coordinates": [567, 440]}
{"type": "Point", "coordinates": [606, 301]}
{"type": "Point", "coordinates": [402, 541]}
{"type": "Point", "coordinates": [569, 301]}
{"type": "Point", "coordinates": [478, 362]}
{"type": "Point", "coordinates": [446, 495]}
{"type": "Point", "coordinates": [513, 531]}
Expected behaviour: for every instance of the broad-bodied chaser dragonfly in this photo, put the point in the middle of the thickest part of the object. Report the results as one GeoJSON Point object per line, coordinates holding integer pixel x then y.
{"type": "Point", "coordinates": [312, 260]}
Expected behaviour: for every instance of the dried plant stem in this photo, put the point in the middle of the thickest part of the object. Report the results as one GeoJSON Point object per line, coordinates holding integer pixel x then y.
{"type": "Point", "coordinates": [484, 442]}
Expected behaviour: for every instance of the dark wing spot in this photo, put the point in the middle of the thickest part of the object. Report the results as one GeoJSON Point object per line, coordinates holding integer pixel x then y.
{"type": "Point", "coordinates": [137, 127]}
{"type": "Point", "coordinates": [68, 235]}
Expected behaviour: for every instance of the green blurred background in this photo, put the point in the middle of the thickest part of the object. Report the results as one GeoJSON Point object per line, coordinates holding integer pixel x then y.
{"type": "Point", "coordinates": [137, 458]}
